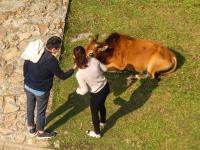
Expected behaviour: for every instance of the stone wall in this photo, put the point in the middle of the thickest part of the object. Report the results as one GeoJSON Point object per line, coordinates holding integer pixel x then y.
{"type": "Point", "coordinates": [20, 22]}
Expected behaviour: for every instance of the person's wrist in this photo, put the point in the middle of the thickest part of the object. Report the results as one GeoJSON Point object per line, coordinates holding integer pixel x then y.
{"type": "Point", "coordinates": [74, 67]}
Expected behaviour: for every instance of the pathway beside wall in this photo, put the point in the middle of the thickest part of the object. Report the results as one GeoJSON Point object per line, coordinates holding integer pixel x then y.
{"type": "Point", "coordinates": [20, 22]}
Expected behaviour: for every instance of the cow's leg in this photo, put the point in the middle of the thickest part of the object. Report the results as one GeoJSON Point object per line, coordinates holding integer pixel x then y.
{"type": "Point", "coordinates": [131, 77]}
{"type": "Point", "coordinates": [137, 76]}
{"type": "Point", "coordinates": [116, 66]}
{"type": "Point", "coordinates": [115, 71]}
{"type": "Point", "coordinates": [156, 65]}
{"type": "Point", "coordinates": [142, 74]}
{"type": "Point", "coordinates": [155, 68]}
{"type": "Point", "coordinates": [151, 72]}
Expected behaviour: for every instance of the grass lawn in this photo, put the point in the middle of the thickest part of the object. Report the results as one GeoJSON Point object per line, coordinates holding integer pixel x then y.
{"type": "Point", "coordinates": [148, 114]}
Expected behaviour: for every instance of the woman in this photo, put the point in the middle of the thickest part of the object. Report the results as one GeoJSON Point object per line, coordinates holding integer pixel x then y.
{"type": "Point", "coordinates": [91, 79]}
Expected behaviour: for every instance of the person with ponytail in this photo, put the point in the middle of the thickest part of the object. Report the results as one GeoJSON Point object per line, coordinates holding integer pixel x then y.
{"type": "Point", "coordinates": [91, 79]}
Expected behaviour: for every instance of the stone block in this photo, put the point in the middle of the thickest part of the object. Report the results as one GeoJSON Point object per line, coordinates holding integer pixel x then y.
{"type": "Point", "coordinates": [22, 45]}
{"type": "Point", "coordinates": [3, 32]}
{"type": "Point", "coordinates": [2, 117]}
{"type": "Point", "coordinates": [10, 118]}
{"type": "Point", "coordinates": [20, 138]}
{"type": "Point", "coordinates": [2, 62]}
{"type": "Point", "coordinates": [1, 145]}
{"type": "Point", "coordinates": [16, 89]}
{"type": "Point", "coordinates": [9, 108]}
{"type": "Point", "coordinates": [2, 46]}
{"type": "Point", "coordinates": [43, 28]}
{"type": "Point", "coordinates": [10, 5]}
{"type": "Point", "coordinates": [15, 78]}
{"type": "Point", "coordinates": [21, 99]}
{"type": "Point", "coordinates": [10, 104]}
{"type": "Point", "coordinates": [8, 70]}
{"type": "Point", "coordinates": [52, 7]}
{"type": "Point", "coordinates": [11, 53]}
{"type": "Point", "coordinates": [5, 131]}
{"type": "Point", "coordinates": [21, 125]}
{"type": "Point", "coordinates": [4, 87]}
{"type": "Point", "coordinates": [3, 17]}
{"type": "Point", "coordinates": [9, 99]}
{"type": "Point", "coordinates": [25, 36]}
{"type": "Point", "coordinates": [1, 103]}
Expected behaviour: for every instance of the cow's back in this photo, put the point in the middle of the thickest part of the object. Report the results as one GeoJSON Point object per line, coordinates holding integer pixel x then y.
{"type": "Point", "coordinates": [124, 52]}
{"type": "Point", "coordinates": [129, 50]}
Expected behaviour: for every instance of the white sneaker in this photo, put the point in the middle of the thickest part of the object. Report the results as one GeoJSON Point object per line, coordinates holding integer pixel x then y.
{"type": "Point", "coordinates": [32, 131]}
{"type": "Point", "coordinates": [93, 134]}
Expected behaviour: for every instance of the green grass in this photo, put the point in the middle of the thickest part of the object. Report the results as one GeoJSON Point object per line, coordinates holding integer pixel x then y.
{"type": "Point", "coordinates": [148, 114]}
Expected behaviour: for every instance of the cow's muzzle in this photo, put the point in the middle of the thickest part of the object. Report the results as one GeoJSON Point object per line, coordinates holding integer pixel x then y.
{"type": "Point", "coordinates": [91, 54]}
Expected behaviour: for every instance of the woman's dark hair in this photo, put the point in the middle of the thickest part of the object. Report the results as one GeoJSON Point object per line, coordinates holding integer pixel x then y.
{"type": "Point", "coordinates": [80, 57]}
{"type": "Point", "coordinates": [54, 42]}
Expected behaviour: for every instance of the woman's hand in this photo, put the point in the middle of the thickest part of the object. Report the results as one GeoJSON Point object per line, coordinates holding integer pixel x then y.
{"type": "Point", "coordinates": [74, 67]}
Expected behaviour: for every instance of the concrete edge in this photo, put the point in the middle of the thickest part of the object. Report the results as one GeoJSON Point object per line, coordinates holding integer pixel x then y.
{"type": "Point", "coordinates": [14, 146]}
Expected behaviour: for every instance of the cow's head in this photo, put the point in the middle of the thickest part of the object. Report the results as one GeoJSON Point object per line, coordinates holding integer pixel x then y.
{"type": "Point", "coordinates": [93, 48]}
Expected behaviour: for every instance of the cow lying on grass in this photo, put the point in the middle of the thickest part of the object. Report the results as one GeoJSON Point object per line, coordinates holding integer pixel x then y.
{"type": "Point", "coordinates": [126, 53]}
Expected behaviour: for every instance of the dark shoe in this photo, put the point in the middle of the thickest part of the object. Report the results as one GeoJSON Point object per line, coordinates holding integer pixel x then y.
{"type": "Point", "coordinates": [45, 135]}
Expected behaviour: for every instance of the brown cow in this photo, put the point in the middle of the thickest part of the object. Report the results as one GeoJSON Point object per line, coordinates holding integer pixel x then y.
{"type": "Point", "coordinates": [123, 52]}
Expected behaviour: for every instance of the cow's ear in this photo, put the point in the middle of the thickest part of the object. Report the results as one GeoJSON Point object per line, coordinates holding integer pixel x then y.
{"type": "Point", "coordinates": [96, 45]}
{"type": "Point", "coordinates": [104, 48]}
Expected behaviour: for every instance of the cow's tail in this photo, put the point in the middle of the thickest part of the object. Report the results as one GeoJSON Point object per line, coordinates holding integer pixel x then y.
{"type": "Point", "coordinates": [173, 68]}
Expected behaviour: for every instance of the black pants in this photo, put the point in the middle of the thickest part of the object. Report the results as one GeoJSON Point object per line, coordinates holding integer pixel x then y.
{"type": "Point", "coordinates": [42, 102]}
{"type": "Point", "coordinates": [97, 104]}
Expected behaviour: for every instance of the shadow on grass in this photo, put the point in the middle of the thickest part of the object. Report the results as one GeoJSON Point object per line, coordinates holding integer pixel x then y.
{"type": "Point", "coordinates": [118, 84]}
{"type": "Point", "coordinates": [180, 59]}
{"type": "Point", "coordinates": [118, 81]}
{"type": "Point", "coordinates": [137, 100]}
{"type": "Point", "coordinates": [138, 97]}
{"type": "Point", "coordinates": [75, 103]}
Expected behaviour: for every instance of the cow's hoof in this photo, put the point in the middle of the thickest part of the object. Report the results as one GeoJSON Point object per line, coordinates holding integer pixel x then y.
{"type": "Point", "coordinates": [130, 77]}
{"type": "Point", "coordinates": [129, 83]}
{"type": "Point", "coordinates": [113, 71]}
{"type": "Point", "coordinates": [137, 76]}
{"type": "Point", "coordinates": [141, 76]}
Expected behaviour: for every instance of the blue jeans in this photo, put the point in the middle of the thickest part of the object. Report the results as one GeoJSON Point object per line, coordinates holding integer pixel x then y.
{"type": "Point", "coordinates": [42, 102]}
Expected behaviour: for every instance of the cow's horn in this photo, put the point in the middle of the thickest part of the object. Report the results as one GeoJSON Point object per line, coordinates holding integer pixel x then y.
{"type": "Point", "coordinates": [94, 38]}
{"type": "Point", "coordinates": [90, 39]}
{"type": "Point", "coordinates": [97, 37]}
